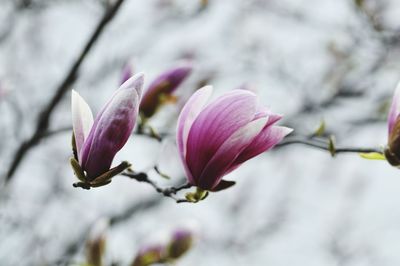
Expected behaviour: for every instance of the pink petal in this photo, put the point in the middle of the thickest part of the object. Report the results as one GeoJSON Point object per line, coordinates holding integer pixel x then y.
{"type": "Point", "coordinates": [112, 127]}
{"type": "Point", "coordinates": [215, 124]}
{"type": "Point", "coordinates": [394, 109]}
{"type": "Point", "coordinates": [266, 112]}
{"type": "Point", "coordinates": [220, 162]}
{"type": "Point", "coordinates": [82, 119]}
{"type": "Point", "coordinates": [267, 139]}
{"type": "Point", "coordinates": [188, 115]}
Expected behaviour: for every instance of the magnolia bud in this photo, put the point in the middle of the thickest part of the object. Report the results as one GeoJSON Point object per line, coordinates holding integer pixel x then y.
{"type": "Point", "coordinates": [161, 89]}
{"type": "Point", "coordinates": [96, 243]}
{"type": "Point", "coordinates": [180, 243]}
{"type": "Point", "coordinates": [149, 255]}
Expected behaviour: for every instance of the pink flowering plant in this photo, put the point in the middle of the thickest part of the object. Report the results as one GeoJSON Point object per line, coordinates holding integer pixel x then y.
{"type": "Point", "coordinates": [392, 150]}
{"type": "Point", "coordinates": [95, 143]}
{"type": "Point", "coordinates": [215, 139]}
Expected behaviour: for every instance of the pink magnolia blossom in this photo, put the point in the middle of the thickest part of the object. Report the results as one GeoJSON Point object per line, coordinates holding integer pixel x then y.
{"type": "Point", "coordinates": [217, 138]}
{"type": "Point", "coordinates": [98, 141]}
{"type": "Point", "coordinates": [392, 151]}
{"type": "Point", "coordinates": [161, 89]}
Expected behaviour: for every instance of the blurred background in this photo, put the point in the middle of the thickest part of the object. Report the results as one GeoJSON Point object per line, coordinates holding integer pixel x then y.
{"type": "Point", "coordinates": [311, 60]}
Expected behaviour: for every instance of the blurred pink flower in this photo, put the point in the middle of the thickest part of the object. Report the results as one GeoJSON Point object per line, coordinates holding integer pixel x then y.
{"type": "Point", "coordinates": [98, 141]}
{"type": "Point", "coordinates": [161, 89]}
{"type": "Point", "coordinates": [392, 150]}
{"type": "Point", "coordinates": [217, 138]}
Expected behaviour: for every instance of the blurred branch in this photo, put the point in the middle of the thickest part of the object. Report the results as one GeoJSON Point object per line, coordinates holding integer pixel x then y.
{"type": "Point", "coordinates": [45, 114]}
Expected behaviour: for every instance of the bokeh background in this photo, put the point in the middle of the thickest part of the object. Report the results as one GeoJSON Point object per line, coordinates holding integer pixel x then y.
{"type": "Point", "coordinates": [336, 60]}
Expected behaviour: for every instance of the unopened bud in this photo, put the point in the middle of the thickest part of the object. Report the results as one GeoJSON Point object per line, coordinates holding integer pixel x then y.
{"type": "Point", "coordinates": [96, 243]}
{"type": "Point", "coordinates": [180, 243]}
{"type": "Point", "coordinates": [149, 255]}
{"type": "Point", "coordinates": [160, 90]}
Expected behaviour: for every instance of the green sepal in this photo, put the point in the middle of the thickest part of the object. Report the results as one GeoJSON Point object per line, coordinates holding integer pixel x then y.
{"type": "Point", "coordinates": [100, 184]}
{"type": "Point", "coordinates": [83, 185]}
{"type": "Point", "coordinates": [106, 177]}
{"type": "Point", "coordinates": [373, 156]}
{"type": "Point", "coordinates": [153, 133]}
{"type": "Point", "coordinates": [196, 196]}
{"type": "Point", "coordinates": [320, 129]}
{"type": "Point", "coordinates": [224, 184]}
{"type": "Point", "coordinates": [77, 169]}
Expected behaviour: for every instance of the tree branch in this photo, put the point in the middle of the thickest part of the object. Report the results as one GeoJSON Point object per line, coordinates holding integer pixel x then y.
{"type": "Point", "coordinates": [46, 113]}
{"type": "Point", "coordinates": [166, 192]}
{"type": "Point", "coordinates": [325, 146]}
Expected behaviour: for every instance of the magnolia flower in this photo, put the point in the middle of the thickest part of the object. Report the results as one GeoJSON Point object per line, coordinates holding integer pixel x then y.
{"type": "Point", "coordinates": [392, 150]}
{"type": "Point", "coordinates": [97, 142]}
{"type": "Point", "coordinates": [161, 89]}
{"type": "Point", "coordinates": [217, 138]}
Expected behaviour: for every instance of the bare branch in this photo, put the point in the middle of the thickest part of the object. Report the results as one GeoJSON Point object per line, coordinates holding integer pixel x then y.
{"type": "Point", "coordinates": [46, 113]}
{"type": "Point", "coordinates": [325, 146]}
{"type": "Point", "coordinates": [166, 192]}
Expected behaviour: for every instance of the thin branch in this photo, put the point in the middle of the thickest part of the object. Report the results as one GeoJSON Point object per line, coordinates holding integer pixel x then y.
{"type": "Point", "coordinates": [321, 146]}
{"type": "Point", "coordinates": [57, 131]}
{"type": "Point", "coordinates": [169, 192]}
{"type": "Point", "coordinates": [46, 113]}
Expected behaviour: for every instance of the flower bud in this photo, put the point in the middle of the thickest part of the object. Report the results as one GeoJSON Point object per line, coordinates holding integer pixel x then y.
{"type": "Point", "coordinates": [161, 89]}
{"type": "Point", "coordinates": [96, 243]}
{"type": "Point", "coordinates": [149, 255]}
{"type": "Point", "coordinates": [98, 141]}
{"type": "Point", "coordinates": [180, 243]}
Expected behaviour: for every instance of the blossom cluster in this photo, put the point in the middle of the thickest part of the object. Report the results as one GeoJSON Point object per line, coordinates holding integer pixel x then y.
{"type": "Point", "coordinates": [213, 138]}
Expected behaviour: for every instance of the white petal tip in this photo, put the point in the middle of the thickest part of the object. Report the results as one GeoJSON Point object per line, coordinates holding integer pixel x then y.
{"type": "Point", "coordinates": [207, 88]}
{"type": "Point", "coordinates": [286, 130]}
{"type": "Point", "coordinates": [74, 94]}
{"type": "Point", "coordinates": [136, 82]}
{"type": "Point", "coordinates": [77, 98]}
